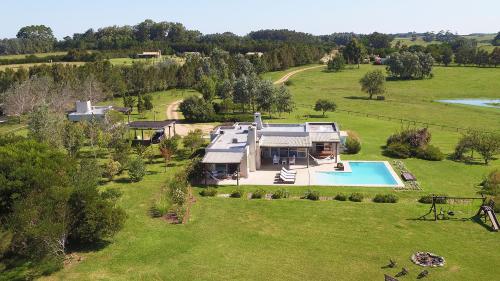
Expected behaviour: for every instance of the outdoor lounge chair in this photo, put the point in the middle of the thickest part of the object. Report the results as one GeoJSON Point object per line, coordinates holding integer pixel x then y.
{"type": "Point", "coordinates": [287, 180]}
{"type": "Point", "coordinates": [290, 172]}
{"type": "Point", "coordinates": [285, 175]}
{"type": "Point", "coordinates": [276, 160]}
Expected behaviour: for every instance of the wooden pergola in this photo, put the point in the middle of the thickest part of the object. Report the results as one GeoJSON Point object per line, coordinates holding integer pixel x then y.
{"type": "Point", "coordinates": [166, 125]}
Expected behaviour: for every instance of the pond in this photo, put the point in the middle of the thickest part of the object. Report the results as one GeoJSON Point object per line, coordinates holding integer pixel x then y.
{"type": "Point", "coordinates": [495, 103]}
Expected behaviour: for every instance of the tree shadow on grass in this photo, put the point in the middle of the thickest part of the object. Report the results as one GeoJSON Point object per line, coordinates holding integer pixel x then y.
{"type": "Point", "coordinates": [123, 180]}
{"type": "Point", "coordinates": [357, 98]}
{"type": "Point", "coordinates": [317, 116]}
{"type": "Point", "coordinates": [88, 247]}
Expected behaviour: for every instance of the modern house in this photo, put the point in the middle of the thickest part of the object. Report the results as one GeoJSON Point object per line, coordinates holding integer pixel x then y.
{"type": "Point", "coordinates": [243, 148]}
{"type": "Point", "coordinates": [150, 55]}
{"type": "Point", "coordinates": [86, 111]}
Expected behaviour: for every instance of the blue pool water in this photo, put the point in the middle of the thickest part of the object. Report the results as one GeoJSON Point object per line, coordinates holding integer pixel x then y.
{"type": "Point", "coordinates": [363, 173]}
{"type": "Point", "coordinates": [476, 102]}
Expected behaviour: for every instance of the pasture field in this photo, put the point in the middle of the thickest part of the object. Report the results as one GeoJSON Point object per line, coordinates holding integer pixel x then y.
{"type": "Point", "coordinates": [41, 55]}
{"type": "Point", "coordinates": [294, 239]}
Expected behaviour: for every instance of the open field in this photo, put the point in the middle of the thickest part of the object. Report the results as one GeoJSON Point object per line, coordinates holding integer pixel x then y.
{"type": "Point", "coordinates": [22, 56]}
{"type": "Point", "coordinates": [129, 61]}
{"type": "Point", "coordinates": [293, 239]}
{"type": "Point", "coordinates": [28, 65]}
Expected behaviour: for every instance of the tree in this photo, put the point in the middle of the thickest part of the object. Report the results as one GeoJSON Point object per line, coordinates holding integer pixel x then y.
{"type": "Point", "coordinates": [408, 65]}
{"type": "Point", "coordinates": [208, 88]}
{"type": "Point", "coordinates": [197, 109]}
{"type": "Point", "coordinates": [193, 140]}
{"type": "Point", "coordinates": [168, 147]}
{"type": "Point", "coordinates": [352, 52]}
{"type": "Point", "coordinates": [324, 106]}
{"type": "Point", "coordinates": [373, 83]}
{"type": "Point", "coordinates": [140, 104]}
{"type": "Point", "coordinates": [488, 145]}
{"type": "Point", "coordinates": [337, 63]}
{"type": "Point", "coordinates": [495, 56]}
{"type": "Point", "coordinates": [148, 102]}
{"type": "Point", "coordinates": [136, 169]}
{"type": "Point", "coordinates": [482, 58]}
{"type": "Point", "coordinates": [128, 102]}
{"type": "Point", "coordinates": [266, 98]}
{"type": "Point", "coordinates": [284, 100]}
{"type": "Point", "coordinates": [44, 126]}
{"type": "Point", "coordinates": [496, 40]}
{"type": "Point", "coordinates": [112, 168]}
{"type": "Point", "coordinates": [73, 137]}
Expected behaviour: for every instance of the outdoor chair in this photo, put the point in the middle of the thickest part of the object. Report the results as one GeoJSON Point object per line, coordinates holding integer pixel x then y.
{"type": "Point", "coordinates": [276, 160]}
{"type": "Point", "coordinates": [291, 160]}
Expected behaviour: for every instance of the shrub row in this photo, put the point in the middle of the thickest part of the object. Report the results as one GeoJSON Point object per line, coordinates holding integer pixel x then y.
{"type": "Point", "coordinates": [427, 199]}
{"type": "Point", "coordinates": [208, 192]}
{"type": "Point", "coordinates": [385, 198]}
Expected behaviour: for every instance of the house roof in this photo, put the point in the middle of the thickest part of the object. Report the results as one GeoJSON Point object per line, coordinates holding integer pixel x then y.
{"type": "Point", "coordinates": [222, 157]}
{"type": "Point", "coordinates": [285, 141]}
{"type": "Point", "coordinates": [324, 137]}
{"type": "Point", "coordinates": [150, 125]}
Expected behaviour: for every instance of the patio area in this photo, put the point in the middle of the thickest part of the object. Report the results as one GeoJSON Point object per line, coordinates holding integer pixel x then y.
{"type": "Point", "coordinates": [266, 175]}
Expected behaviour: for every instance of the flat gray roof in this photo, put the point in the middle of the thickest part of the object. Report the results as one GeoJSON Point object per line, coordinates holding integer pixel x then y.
{"type": "Point", "coordinates": [222, 157]}
{"type": "Point", "coordinates": [285, 141]}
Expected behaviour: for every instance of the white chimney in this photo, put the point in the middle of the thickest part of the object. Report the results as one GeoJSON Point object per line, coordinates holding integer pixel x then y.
{"type": "Point", "coordinates": [258, 120]}
{"type": "Point", "coordinates": [83, 106]}
{"type": "Point", "coordinates": [252, 143]}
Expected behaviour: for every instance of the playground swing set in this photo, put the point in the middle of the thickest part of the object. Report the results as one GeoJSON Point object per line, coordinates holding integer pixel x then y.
{"type": "Point", "coordinates": [486, 211]}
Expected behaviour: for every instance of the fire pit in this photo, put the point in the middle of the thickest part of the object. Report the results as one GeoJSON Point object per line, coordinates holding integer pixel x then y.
{"type": "Point", "coordinates": [427, 259]}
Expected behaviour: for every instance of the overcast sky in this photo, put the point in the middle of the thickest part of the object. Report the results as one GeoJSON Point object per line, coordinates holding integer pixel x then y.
{"type": "Point", "coordinates": [66, 17]}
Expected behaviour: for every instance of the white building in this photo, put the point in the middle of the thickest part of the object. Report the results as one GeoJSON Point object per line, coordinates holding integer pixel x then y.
{"type": "Point", "coordinates": [243, 148]}
{"type": "Point", "coordinates": [85, 111]}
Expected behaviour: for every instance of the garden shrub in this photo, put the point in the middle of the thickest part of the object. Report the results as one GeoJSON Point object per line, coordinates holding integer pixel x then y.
{"type": "Point", "coordinates": [237, 193]}
{"type": "Point", "coordinates": [430, 152]}
{"type": "Point", "coordinates": [208, 192]}
{"type": "Point", "coordinates": [398, 150]}
{"type": "Point", "coordinates": [112, 168]}
{"type": "Point", "coordinates": [385, 198]}
{"type": "Point", "coordinates": [356, 197]}
{"type": "Point", "coordinates": [491, 184]}
{"type": "Point", "coordinates": [136, 169]}
{"type": "Point", "coordinates": [159, 207]}
{"type": "Point", "coordinates": [280, 193]}
{"type": "Point", "coordinates": [352, 144]}
{"type": "Point", "coordinates": [312, 195]}
{"type": "Point", "coordinates": [427, 199]}
{"type": "Point", "coordinates": [288, 82]}
{"type": "Point", "coordinates": [258, 194]}
{"type": "Point", "coordinates": [340, 197]}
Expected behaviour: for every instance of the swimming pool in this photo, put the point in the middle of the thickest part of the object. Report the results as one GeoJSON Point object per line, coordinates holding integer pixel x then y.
{"type": "Point", "coordinates": [363, 173]}
{"type": "Point", "coordinates": [477, 102]}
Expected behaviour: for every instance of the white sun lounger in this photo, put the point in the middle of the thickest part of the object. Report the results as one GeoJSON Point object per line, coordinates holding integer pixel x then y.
{"type": "Point", "coordinates": [287, 180]}
{"type": "Point", "coordinates": [290, 172]}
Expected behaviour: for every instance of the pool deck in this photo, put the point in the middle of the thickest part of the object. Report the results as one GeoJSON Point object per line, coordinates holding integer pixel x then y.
{"type": "Point", "coordinates": [305, 176]}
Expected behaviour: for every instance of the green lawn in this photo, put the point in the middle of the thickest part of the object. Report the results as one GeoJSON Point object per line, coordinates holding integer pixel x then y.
{"type": "Point", "coordinates": [41, 55]}
{"type": "Point", "coordinates": [293, 239]}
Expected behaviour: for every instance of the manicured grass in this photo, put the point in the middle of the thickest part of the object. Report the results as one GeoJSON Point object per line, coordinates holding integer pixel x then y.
{"type": "Point", "coordinates": [240, 239]}
{"type": "Point", "coordinates": [294, 239]}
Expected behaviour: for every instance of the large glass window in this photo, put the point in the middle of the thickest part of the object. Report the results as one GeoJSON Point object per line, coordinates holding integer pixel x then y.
{"type": "Point", "coordinates": [283, 152]}
{"type": "Point", "coordinates": [274, 151]}
{"type": "Point", "coordinates": [292, 152]}
{"type": "Point", "coordinates": [301, 152]}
